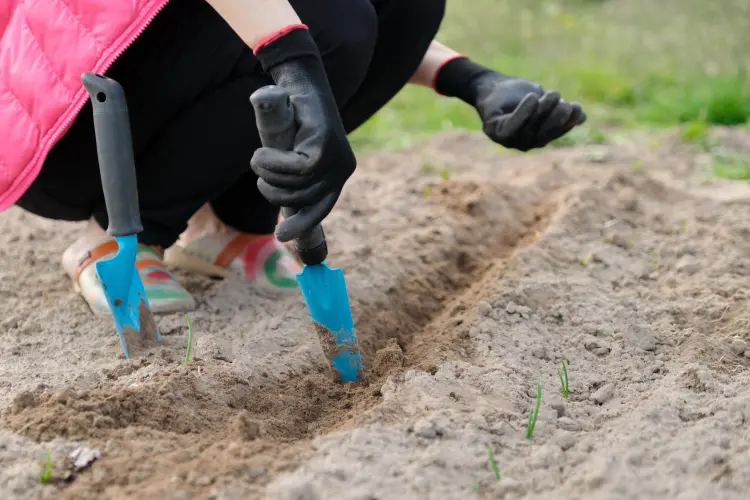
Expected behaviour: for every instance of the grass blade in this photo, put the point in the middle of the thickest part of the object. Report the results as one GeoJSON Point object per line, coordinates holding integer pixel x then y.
{"type": "Point", "coordinates": [563, 380]}
{"type": "Point", "coordinates": [493, 464]}
{"type": "Point", "coordinates": [190, 340]}
{"type": "Point", "coordinates": [46, 470]}
{"type": "Point", "coordinates": [533, 414]}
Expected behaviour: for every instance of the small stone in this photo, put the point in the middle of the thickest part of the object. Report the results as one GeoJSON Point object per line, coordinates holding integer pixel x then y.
{"type": "Point", "coordinates": [599, 155]}
{"type": "Point", "coordinates": [203, 481]}
{"type": "Point", "coordinates": [687, 264]}
{"type": "Point", "coordinates": [245, 428]}
{"type": "Point", "coordinates": [255, 473]}
{"type": "Point", "coordinates": [508, 487]}
{"type": "Point", "coordinates": [484, 308]}
{"type": "Point", "coordinates": [628, 198]}
{"type": "Point", "coordinates": [82, 457]}
{"type": "Point", "coordinates": [641, 337]}
{"type": "Point", "coordinates": [618, 240]}
{"type": "Point", "coordinates": [511, 308]}
{"type": "Point", "coordinates": [424, 428]}
{"type": "Point", "coordinates": [8, 323]}
{"type": "Point", "coordinates": [293, 488]}
{"type": "Point", "coordinates": [524, 311]}
{"type": "Point", "coordinates": [603, 394]}
{"type": "Point", "coordinates": [569, 424]}
{"type": "Point", "coordinates": [61, 396]}
{"type": "Point", "coordinates": [208, 347]}
{"type": "Point", "coordinates": [738, 346]}
{"type": "Point", "coordinates": [22, 401]}
{"type": "Point", "coordinates": [103, 422]}
{"type": "Point", "coordinates": [100, 475]}
{"type": "Point", "coordinates": [565, 440]}
{"type": "Point", "coordinates": [539, 351]}
{"type": "Point", "coordinates": [559, 408]}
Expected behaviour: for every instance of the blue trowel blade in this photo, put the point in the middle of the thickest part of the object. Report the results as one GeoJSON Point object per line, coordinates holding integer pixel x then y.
{"type": "Point", "coordinates": [324, 290]}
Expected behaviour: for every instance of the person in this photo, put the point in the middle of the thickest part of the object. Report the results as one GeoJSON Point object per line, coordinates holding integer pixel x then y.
{"type": "Point", "coordinates": [209, 193]}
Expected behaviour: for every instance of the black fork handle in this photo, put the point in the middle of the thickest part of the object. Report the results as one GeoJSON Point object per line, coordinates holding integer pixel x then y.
{"type": "Point", "coordinates": [114, 146]}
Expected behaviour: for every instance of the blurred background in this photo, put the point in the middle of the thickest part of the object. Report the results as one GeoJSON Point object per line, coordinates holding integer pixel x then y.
{"type": "Point", "coordinates": [633, 64]}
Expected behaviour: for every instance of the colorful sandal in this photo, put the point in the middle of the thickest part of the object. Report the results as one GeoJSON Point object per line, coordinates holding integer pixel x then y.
{"type": "Point", "coordinates": [260, 259]}
{"type": "Point", "coordinates": [164, 293]}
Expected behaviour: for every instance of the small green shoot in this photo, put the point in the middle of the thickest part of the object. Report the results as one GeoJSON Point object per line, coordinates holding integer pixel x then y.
{"type": "Point", "coordinates": [695, 132]}
{"type": "Point", "coordinates": [426, 191]}
{"type": "Point", "coordinates": [46, 470]}
{"type": "Point", "coordinates": [533, 414]}
{"type": "Point", "coordinates": [563, 374]}
{"type": "Point", "coordinates": [444, 174]}
{"type": "Point", "coordinates": [476, 486]}
{"type": "Point", "coordinates": [731, 167]}
{"type": "Point", "coordinates": [584, 261]}
{"type": "Point", "coordinates": [636, 166]}
{"type": "Point", "coordinates": [654, 143]}
{"type": "Point", "coordinates": [190, 340]}
{"type": "Point", "coordinates": [493, 464]}
{"type": "Point", "coordinates": [428, 168]}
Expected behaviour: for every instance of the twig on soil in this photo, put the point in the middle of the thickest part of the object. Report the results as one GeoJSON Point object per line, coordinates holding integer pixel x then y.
{"type": "Point", "coordinates": [493, 464]}
{"type": "Point", "coordinates": [46, 470]}
{"type": "Point", "coordinates": [563, 380]}
{"type": "Point", "coordinates": [190, 340]}
{"type": "Point", "coordinates": [533, 414]}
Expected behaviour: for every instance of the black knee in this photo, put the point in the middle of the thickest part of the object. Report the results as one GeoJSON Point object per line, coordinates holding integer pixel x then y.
{"type": "Point", "coordinates": [346, 32]}
{"type": "Point", "coordinates": [424, 17]}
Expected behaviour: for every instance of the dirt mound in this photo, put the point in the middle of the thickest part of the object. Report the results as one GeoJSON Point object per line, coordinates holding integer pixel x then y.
{"type": "Point", "coordinates": [467, 288]}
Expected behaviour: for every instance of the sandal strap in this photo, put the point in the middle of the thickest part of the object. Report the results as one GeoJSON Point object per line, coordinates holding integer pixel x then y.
{"type": "Point", "coordinates": [110, 247]}
{"type": "Point", "coordinates": [96, 253]}
{"type": "Point", "coordinates": [233, 249]}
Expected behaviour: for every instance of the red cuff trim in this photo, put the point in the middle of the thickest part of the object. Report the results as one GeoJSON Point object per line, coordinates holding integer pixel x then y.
{"type": "Point", "coordinates": [278, 34]}
{"type": "Point", "coordinates": [442, 64]}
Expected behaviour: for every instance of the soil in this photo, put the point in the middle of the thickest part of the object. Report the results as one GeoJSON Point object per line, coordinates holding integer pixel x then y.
{"type": "Point", "coordinates": [625, 260]}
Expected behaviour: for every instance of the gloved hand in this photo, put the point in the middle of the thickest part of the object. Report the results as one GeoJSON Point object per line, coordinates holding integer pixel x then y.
{"type": "Point", "coordinates": [313, 174]}
{"type": "Point", "coordinates": [515, 113]}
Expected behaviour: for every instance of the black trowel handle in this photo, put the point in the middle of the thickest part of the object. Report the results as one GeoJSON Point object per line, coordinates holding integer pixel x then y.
{"type": "Point", "coordinates": [115, 149]}
{"type": "Point", "coordinates": [277, 127]}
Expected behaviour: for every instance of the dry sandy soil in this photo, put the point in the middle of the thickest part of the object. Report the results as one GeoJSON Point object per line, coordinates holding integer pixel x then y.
{"type": "Point", "coordinates": [624, 260]}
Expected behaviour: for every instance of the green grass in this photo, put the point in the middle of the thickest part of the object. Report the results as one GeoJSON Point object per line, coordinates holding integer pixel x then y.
{"type": "Point", "coordinates": [563, 374]}
{"type": "Point", "coordinates": [630, 63]}
{"type": "Point", "coordinates": [190, 340]}
{"type": "Point", "coordinates": [534, 414]}
{"type": "Point", "coordinates": [733, 167]}
{"type": "Point", "coordinates": [45, 471]}
{"type": "Point", "coordinates": [493, 464]}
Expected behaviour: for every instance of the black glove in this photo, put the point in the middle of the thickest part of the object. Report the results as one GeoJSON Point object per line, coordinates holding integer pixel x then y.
{"type": "Point", "coordinates": [515, 113]}
{"type": "Point", "coordinates": [313, 174]}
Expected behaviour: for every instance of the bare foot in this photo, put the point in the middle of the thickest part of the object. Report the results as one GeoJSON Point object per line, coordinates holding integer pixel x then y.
{"type": "Point", "coordinates": [204, 223]}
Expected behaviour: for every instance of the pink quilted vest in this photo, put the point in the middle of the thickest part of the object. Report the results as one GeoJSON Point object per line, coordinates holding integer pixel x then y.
{"type": "Point", "coordinates": [45, 47]}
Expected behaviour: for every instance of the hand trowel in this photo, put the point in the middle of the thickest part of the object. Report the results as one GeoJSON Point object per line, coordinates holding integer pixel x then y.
{"type": "Point", "coordinates": [323, 288]}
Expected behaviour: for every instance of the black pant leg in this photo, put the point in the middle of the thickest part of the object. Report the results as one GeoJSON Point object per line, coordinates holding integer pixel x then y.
{"type": "Point", "coordinates": [405, 30]}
